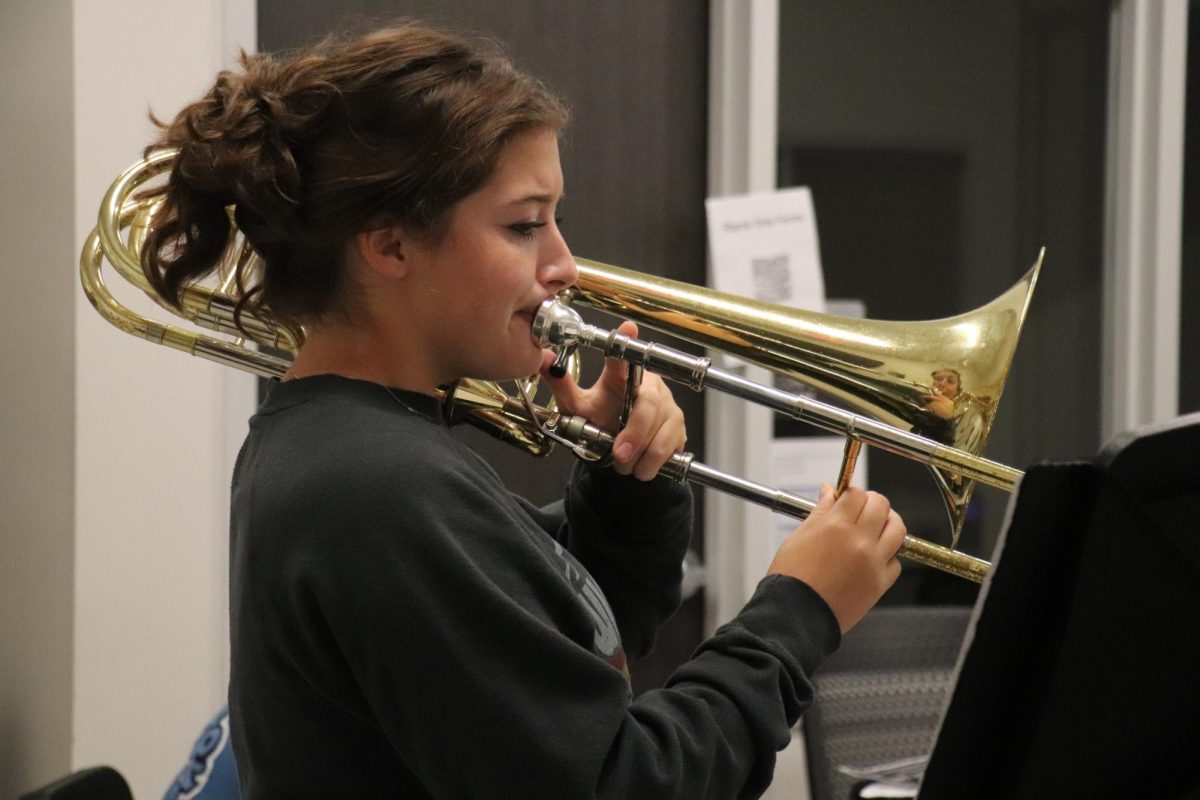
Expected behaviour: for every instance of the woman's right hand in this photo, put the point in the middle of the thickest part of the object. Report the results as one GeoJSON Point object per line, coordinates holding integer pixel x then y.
{"type": "Point", "coordinates": [939, 405]}
{"type": "Point", "coordinates": [846, 551]}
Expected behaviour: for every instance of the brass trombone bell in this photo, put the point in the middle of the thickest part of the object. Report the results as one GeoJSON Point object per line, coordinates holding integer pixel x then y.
{"type": "Point", "coordinates": [886, 370]}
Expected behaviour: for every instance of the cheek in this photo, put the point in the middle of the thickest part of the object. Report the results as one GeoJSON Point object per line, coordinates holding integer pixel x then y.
{"type": "Point", "coordinates": [481, 305]}
{"type": "Point", "coordinates": [494, 277]}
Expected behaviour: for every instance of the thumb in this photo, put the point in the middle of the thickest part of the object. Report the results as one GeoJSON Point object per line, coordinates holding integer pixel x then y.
{"type": "Point", "coordinates": [825, 501]}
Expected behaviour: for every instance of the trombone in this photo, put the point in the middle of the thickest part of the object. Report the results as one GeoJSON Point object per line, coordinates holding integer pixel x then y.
{"type": "Point", "coordinates": [877, 367]}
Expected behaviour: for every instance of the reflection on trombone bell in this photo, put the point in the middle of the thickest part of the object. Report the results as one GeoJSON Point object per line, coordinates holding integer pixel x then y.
{"type": "Point", "coordinates": [956, 416]}
{"type": "Point", "coordinates": [873, 366]}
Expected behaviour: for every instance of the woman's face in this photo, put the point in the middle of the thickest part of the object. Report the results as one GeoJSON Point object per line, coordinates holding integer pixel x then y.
{"type": "Point", "coordinates": [502, 255]}
{"type": "Point", "coordinates": [945, 383]}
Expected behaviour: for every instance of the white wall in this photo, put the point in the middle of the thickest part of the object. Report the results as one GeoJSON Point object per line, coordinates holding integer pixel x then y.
{"type": "Point", "coordinates": [152, 462]}
{"type": "Point", "coordinates": [113, 489]}
{"type": "Point", "coordinates": [36, 391]}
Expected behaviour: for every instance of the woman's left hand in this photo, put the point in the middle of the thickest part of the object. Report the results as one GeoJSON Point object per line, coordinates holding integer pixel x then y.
{"type": "Point", "coordinates": [655, 429]}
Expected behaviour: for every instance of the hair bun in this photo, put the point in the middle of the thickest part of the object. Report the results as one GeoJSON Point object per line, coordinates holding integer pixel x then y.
{"type": "Point", "coordinates": [234, 147]}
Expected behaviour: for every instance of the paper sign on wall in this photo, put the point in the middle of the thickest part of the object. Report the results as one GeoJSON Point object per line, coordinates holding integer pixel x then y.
{"type": "Point", "coordinates": [764, 246]}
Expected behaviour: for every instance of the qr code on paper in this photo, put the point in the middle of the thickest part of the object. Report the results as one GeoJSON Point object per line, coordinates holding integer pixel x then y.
{"type": "Point", "coordinates": [772, 278]}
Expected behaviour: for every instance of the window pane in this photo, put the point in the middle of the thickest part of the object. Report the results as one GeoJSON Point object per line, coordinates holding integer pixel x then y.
{"type": "Point", "coordinates": [945, 143]}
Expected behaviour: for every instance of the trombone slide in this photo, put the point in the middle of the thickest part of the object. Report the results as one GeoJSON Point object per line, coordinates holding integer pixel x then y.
{"type": "Point", "coordinates": [683, 468]}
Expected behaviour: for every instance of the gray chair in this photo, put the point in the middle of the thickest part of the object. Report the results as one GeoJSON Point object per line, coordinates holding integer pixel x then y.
{"type": "Point", "coordinates": [93, 783]}
{"type": "Point", "coordinates": [880, 697]}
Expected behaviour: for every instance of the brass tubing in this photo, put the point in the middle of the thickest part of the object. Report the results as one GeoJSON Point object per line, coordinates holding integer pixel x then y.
{"type": "Point", "coordinates": [131, 322]}
{"type": "Point", "coordinates": [944, 559]}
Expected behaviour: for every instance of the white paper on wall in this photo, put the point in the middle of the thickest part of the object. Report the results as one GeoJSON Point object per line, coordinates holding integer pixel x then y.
{"type": "Point", "coordinates": [764, 246]}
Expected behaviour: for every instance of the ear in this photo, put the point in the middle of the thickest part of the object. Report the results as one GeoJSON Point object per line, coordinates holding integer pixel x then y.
{"type": "Point", "coordinates": [383, 250]}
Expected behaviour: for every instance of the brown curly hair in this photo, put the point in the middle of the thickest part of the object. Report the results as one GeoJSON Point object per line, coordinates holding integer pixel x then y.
{"type": "Point", "coordinates": [391, 128]}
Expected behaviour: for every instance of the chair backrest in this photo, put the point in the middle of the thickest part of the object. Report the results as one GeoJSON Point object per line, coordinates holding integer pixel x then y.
{"type": "Point", "coordinates": [880, 696]}
{"type": "Point", "coordinates": [93, 783]}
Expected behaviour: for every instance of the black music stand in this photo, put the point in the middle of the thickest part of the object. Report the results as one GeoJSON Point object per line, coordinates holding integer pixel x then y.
{"type": "Point", "coordinates": [1080, 673]}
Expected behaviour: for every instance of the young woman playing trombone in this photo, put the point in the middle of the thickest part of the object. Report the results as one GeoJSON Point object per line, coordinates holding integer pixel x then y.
{"type": "Point", "coordinates": [401, 624]}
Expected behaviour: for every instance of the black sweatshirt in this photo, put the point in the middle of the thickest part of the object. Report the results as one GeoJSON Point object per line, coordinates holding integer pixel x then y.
{"type": "Point", "coordinates": [403, 626]}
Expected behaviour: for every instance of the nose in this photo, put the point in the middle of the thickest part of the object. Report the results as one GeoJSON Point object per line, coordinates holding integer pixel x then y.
{"type": "Point", "coordinates": [557, 270]}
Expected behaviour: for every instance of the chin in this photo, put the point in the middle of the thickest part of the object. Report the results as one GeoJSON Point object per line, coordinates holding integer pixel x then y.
{"type": "Point", "coordinates": [512, 368]}
{"type": "Point", "coordinates": [531, 359]}
{"type": "Point", "coordinates": [531, 367]}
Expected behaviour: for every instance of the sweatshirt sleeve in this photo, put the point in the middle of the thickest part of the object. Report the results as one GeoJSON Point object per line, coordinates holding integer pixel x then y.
{"type": "Point", "coordinates": [468, 655]}
{"type": "Point", "coordinates": [632, 537]}
{"type": "Point", "coordinates": [715, 728]}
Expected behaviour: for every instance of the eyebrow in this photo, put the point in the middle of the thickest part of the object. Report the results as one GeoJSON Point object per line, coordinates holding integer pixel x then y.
{"type": "Point", "coordinates": [537, 198]}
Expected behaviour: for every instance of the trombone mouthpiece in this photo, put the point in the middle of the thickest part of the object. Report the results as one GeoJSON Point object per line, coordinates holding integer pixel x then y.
{"type": "Point", "coordinates": [556, 325]}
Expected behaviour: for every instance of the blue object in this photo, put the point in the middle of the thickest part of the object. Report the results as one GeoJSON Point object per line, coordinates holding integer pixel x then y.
{"type": "Point", "coordinates": [210, 772]}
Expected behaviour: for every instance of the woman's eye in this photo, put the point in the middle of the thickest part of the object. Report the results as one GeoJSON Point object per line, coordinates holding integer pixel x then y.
{"type": "Point", "coordinates": [526, 230]}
